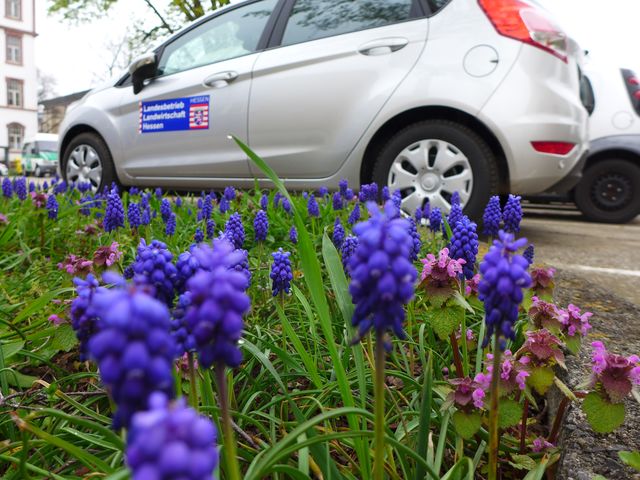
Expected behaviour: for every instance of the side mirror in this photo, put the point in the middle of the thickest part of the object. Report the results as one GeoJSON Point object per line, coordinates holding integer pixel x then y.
{"type": "Point", "coordinates": [143, 68]}
{"type": "Point", "coordinates": [34, 151]}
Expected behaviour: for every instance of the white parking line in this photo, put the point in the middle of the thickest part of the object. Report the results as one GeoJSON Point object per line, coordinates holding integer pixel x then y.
{"type": "Point", "coordinates": [611, 271]}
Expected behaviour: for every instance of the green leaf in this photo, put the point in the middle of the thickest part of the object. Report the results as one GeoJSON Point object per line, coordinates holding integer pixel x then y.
{"type": "Point", "coordinates": [573, 343]}
{"type": "Point", "coordinates": [509, 413]}
{"type": "Point", "coordinates": [541, 379]}
{"type": "Point", "coordinates": [446, 320]}
{"type": "Point", "coordinates": [604, 417]}
{"type": "Point", "coordinates": [631, 458]}
{"type": "Point", "coordinates": [17, 379]}
{"type": "Point", "coordinates": [11, 348]}
{"type": "Point", "coordinates": [523, 462]}
{"type": "Point", "coordinates": [466, 424]}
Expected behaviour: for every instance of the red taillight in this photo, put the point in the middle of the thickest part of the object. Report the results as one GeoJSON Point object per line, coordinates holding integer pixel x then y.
{"type": "Point", "coordinates": [553, 148]}
{"type": "Point", "coordinates": [633, 81]}
{"type": "Point", "coordinates": [636, 94]}
{"type": "Point", "coordinates": [526, 23]}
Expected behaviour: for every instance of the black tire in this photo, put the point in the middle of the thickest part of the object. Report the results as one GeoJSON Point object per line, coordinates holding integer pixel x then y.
{"type": "Point", "coordinates": [96, 142]}
{"type": "Point", "coordinates": [481, 159]}
{"type": "Point", "coordinates": [609, 191]}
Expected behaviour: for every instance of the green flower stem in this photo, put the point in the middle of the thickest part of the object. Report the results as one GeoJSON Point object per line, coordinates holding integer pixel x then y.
{"type": "Point", "coordinates": [231, 457]}
{"type": "Point", "coordinates": [494, 440]}
{"type": "Point", "coordinates": [378, 465]}
{"type": "Point", "coordinates": [193, 398]}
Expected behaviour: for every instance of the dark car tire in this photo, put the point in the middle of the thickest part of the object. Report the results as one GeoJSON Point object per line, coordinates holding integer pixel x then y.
{"type": "Point", "coordinates": [481, 158]}
{"type": "Point", "coordinates": [609, 191]}
{"type": "Point", "coordinates": [95, 142]}
{"type": "Point", "coordinates": [37, 172]}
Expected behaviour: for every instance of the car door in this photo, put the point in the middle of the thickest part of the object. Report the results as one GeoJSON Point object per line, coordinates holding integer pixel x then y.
{"type": "Point", "coordinates": [335, 65]}
{"type": "Point", "coordinates": [178, 125]}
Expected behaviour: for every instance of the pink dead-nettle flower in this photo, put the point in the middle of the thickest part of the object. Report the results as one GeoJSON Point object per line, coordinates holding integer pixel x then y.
{"type": "Point", "coordinates": [542, 278]}
{"type": "Point", "coordinates": [614, 374]}
{"type": "Point", "coordinates": [107, 255]}
{"type": "Point", "coordinates": [542, 348]}
{"type": "Point", "coordinates": [573, 321]}
{"type": "Point", "coordinates": [540, 444]}
{"type": "Point", "coordinates": [471, 286]}
{"type": "Point", "coordinates": [74, 265]}
{"type": "Point", "coordinates": [513, 372]}
{"type": "Point", "coordinates": [39, 199]}
{"type": "Point", "coordinates": [55, 319]}
{"type": "Point", "coordinates": [467, 392]}
{"type": "Point", "coordinates": [545, 314]}
{"type": "Point", "coordinates": [469, 336]}
{"type": "Point", "coordinates": [440, 275]}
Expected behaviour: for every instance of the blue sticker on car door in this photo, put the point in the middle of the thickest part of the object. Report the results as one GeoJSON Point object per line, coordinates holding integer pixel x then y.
{"type": "Point", "coordinates": [174, 114]}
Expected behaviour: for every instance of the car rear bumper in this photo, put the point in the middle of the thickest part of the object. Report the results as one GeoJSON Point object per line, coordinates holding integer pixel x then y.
{"type": "Point", "coordinates": [539, 101]}
{"type": "Point", "coordinates": [571, 179]}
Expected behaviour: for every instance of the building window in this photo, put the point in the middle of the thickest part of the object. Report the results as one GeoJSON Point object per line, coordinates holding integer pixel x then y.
{"type": "Point", "coordinates": [16, 135]}
{"type": "Point", "coordinates": [14, 49]}
{"type": "Point", "coordinates": [15, 90]}
{"type": "Point", "coordinates": [13, 9]}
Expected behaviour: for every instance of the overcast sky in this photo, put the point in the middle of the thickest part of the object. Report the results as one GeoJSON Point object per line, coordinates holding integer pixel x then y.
{"type": "Point", "coordinates": [78, 56]}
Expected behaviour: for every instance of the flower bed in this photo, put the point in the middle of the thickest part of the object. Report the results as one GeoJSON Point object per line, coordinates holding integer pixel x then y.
{"type": "Point", "coordinates": [265, 335]}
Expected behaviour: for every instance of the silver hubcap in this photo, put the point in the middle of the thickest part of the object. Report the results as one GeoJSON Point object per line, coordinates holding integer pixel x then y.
{"type": "Point", "coordinates": [433, 170]}
{"type": "Point", "coordinates": [84, 166]}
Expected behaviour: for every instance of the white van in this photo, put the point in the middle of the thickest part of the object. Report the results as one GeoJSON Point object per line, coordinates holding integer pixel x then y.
{"type": "Point", "coordinates": [40, 155]}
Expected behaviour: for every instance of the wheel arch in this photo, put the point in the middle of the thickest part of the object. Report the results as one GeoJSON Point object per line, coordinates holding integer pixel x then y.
{"type": "Point", "coordinates": [613, 153]}
{"type": "Point", "coordinates": [419, 114]}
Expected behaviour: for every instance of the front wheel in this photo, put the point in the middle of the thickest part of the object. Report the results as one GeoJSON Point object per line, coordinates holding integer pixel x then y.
{"type": "Point", "coordinates": [609, 191]}
{"type": "Point", "coordinates": [88, 160]}
{"type": "Point", "coordinates": [38, 172]}
{"type": "Point", "coordinates": [432, 159]}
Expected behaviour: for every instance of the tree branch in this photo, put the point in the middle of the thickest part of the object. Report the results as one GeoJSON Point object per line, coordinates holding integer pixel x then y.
{"type": "Point", "coordinates": [159, 15]}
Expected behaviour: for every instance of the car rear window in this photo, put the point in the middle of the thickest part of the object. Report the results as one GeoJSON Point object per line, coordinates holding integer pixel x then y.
{"type": "Point", "coordinates": [314, 19]}
{"type": "Point", "coordinates": [436, 5]}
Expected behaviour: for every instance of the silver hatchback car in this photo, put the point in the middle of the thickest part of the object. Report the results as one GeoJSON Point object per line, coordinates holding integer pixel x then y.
{"type": "Point", "coordinates": [425, 96]}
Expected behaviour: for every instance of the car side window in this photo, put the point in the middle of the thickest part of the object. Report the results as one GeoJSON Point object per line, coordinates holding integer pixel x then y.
{"type": "Point", "coordinates": [314, 19]}
{"type": "Point", "coordinates": [229, 35]}
{"type": "Point", "coordinates": [26, 149]}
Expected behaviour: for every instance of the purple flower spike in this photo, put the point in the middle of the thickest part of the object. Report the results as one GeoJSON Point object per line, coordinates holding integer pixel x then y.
{"type": "Point", "coordinates": [338, 233]}
{"type": "Point", "coordinates": [504, 275]}
{"type": "Point", "coordinates": [312, 206]}
{"type": "Point", "coordinates": [435, 220]}
{"type": "Point", "coordinates": [261, 226]}
{"type": "Point", "coordinates": [492, 217]}
{"type": "Point", "coordinates": [133, 348]}
{"type": "Point", "coordinates": [293, 235]}
{"type": "Point", "coordinates": [7, 188]}
{"type": "Point", "coordinates": [464, 244]}
{"type": "Point", "coordinates": [264, 202]}
{"type": "Point", "coordinates": [171, 442]}
{"type": "Point", "coordinates": [337, 201]}
{"type": "Point", "coordinates": [354, 216]}
{"type": "Point", "coordinates": [512, 214]}
{"type": "Point", "coordinates": [382, 275]}
{"type": "Point", "coordinates": [133, 215]}
{"type": "Point", "coordinates": [218, 303]}
{"type": "Point", "coordinates": [52, 207]}
{"type": "Point", "coordinates": [281, 274]}
{"type": "Point", "coordinates": [348, 248]}
{"type": "Point", "coordinates": [154, 267]}
{"type": "Point", "coordinates": [114, 213]}
{"type": "Point", "coordinates": [234, 230]}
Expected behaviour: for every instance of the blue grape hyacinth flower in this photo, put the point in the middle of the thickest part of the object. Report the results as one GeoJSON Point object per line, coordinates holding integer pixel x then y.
{"type": "Point", "coordinates": [218, 303]}
{"type": "Point", "coordinates": [312, 206]}
{"type": "Point", "coordinates": [170, 226]}
{"type": "Point", "coordinates": [230, 193]}
{"type": "Point", "coordinates": [348, 248]}
{"type": "Point", "coordinates": [153, 266]}
{"type": "Point", "coordinates": [169, 442]}
{"type": "Point", "coordinates": [337, 201]}
{"type": "Point", "coordinates": [281, 274]}
{"type": "Point", "coordinates": [382, 274]}
{"type": "Point", "coordinates": [293, 235]}
{"type": "Point", "coordinates": [261, 226]}
{"type": "Point", "coordinates": [264, 202]}
{"type": "Point", "coordinates": [133, 215]}
{"type": "Point", "coordinates": [165, 209]}
{"type": "Point", "coordinates": [52, 207]}
{"type": "Point", "coordinates": [435, 220]}
{"type": "Point", "coordinates": [7, 188]}
{"type": "Point", "coordinates": [234, 230]}
{"type": "Point", "coordinates": [455, 214]}
{"type": "Point", "coordinates": [133, 347]}
{"type": "Point", "coordinates": [512, 214]}
{"type": "Point", "coordinates": [492, 217]}
{"type": "Point", "coordinates": [354, 216]}
{"type": "Point", "coordinates": [83, 319]}
{"type": "Point", "coordinates": [464, 245]}
{"type": "Point", "coordinates": [338, 233]}
{"type": "Point", "coordinates": [114, 212]}
{"type": "Point", "coordinates": [503, 276]}
{"type": "Point", "coordinates": [529, 253]}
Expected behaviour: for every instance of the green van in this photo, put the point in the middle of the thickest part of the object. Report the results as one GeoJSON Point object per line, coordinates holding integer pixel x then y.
{"type": "Point", "coordinates": [40, 155]}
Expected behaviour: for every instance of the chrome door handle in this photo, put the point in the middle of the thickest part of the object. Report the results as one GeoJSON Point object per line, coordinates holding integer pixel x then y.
{"type": "Point", "coordinates": [220, 79]}
{"type": "Point", "coordinates": [383, 46]}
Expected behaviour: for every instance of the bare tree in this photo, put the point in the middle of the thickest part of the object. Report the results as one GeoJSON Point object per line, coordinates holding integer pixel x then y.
{"type": "Point", "coordinates": [46, 86]}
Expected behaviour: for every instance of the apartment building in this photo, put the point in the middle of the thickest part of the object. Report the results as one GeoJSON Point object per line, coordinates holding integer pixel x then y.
{"type": "Point", "coordinates": [18, 78]}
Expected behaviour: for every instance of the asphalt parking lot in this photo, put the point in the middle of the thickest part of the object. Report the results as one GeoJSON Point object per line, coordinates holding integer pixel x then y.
{"type": "Point", "coordinates": [607, 255]}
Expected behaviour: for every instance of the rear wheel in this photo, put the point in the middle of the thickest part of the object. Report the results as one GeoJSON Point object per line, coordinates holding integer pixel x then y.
{"type": "Point", "coordinates": [432, 159]}
{"type": "Point", "coordinates": [88, 160]}
{"type": "Point", "coordinates": [609, 191]}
